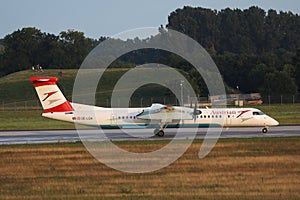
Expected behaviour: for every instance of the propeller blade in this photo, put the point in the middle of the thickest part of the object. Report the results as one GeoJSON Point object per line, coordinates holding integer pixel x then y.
{"type": "Point", "coordinates": [196, 111]}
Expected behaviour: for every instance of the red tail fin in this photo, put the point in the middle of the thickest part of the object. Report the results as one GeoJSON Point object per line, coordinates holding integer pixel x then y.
{"type": "Point", "coordinates": [51, 98]}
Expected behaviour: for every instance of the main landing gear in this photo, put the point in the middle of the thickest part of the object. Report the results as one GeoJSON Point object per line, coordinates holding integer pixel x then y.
{"type": "Point", "coordinates": [159, 132]}
{"type": "Point", "coordinates": [264, 130]}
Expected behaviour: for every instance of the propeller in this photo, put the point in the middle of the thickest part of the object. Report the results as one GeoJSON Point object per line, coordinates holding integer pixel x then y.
{"type": "Point", "coordinates": [196, 111]}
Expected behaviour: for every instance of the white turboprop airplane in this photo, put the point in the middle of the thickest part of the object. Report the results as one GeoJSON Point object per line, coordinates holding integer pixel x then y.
{"type": "Point", "coordinates": [157, 116]}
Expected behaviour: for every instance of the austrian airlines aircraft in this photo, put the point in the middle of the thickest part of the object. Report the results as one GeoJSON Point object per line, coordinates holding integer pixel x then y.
{"type": "Point", "coordinates": [157, 116]}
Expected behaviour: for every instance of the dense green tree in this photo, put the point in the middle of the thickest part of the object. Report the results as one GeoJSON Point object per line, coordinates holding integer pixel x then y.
{"type": "Point", "coordinates": [199, 23]}
{"type": "Point", "coordinates": [29, 46]}
{"type": "Point", "coordinates": [249, 43]}
{"type": "Point", "coordinates": [2, 49]}
{"type": "Point", "coordinates": [75, 46]}
{"type": "Point", "coordinates": [290, 70]}
{"type": "Point", "coordinates": [257, 75]}
{"type": "Point", "coordinates": [22, 49]}
{"type": "Point", "coordinates": [231, 31]}
{"type": "Point", "coordinates": [279, 83]}
{"type": "Point", "coordinates": [296, 60]}
{"type": "Point", "coordinates": [254, 19]}
{"type": "Point", "coordinates": [272, 33]}
{"type": "Point", "coordinates": [239, 31]}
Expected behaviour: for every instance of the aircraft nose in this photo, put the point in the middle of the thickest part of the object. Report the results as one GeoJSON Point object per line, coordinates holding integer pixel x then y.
{"type": "Point", "coordinates": [274, 122]}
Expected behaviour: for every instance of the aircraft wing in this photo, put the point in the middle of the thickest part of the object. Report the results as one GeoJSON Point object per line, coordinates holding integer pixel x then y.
{"type": "Point", "coordinates": [166, 113]}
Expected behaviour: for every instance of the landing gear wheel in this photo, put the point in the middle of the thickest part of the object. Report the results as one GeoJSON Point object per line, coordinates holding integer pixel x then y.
{"type": "Point", "coordinates": [264, 130]}
{"type": "Point", "coordinates": [156, 131]}
{"type": "Point", "coordinates": [160, 133]}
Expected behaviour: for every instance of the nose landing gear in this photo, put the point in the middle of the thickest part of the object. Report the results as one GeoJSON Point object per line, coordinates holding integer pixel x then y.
{"type": "Point", "coordinates": [264, 130]}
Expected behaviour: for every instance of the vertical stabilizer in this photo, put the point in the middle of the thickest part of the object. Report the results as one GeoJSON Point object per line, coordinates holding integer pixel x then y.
{"type": "Point", "coordinates": [51, 98]}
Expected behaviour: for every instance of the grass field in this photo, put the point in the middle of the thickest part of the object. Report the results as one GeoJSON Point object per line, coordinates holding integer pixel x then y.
{"type": "Point", "coordinates": [16, 87]}
{"type": "Point", "coordinates": [30, 120]}
{"type": "Point", "coordinates": [285, 113]}
{"type": "Point", "coordinates": [236, 169]}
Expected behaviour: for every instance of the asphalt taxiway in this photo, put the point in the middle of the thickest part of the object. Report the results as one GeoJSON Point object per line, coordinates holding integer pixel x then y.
{"type": "Point", "coordinates": [57, 136]}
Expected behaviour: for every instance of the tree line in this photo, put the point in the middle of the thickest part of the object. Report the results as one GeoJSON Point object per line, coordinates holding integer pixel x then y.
{"type": "Point", "coordinates": [29, 46]}
{"type": "Point", "coordinates": [255, 50]}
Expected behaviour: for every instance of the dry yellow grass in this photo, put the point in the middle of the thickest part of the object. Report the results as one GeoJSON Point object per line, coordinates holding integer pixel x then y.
{"type": "Point", "coordinates": [235, 169]}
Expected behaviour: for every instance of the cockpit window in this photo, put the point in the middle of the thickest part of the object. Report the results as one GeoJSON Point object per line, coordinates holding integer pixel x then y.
{"type": "Point", "coordinates": [258, 113]}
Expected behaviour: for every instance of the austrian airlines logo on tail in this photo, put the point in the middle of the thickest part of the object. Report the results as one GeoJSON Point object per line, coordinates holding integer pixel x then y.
{"type": "Point", "coordinates": [48, 95]}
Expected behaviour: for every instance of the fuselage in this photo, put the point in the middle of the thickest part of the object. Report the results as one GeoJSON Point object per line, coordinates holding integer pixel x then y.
{"type": "Point", "coordinates": [129, 117]}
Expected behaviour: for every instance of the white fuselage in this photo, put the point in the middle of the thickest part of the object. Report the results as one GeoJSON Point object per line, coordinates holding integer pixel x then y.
{"type": "Point", "coordinates": [128, 117]}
